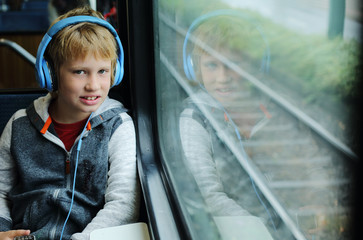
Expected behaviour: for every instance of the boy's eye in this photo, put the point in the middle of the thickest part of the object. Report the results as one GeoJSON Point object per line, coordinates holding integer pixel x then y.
{"type": "Point", "coordinates": [102, 71]}
{"type": "Point", "coordinates": [211, 65]}
{"type": "Point", "coordinates": [79, 71]}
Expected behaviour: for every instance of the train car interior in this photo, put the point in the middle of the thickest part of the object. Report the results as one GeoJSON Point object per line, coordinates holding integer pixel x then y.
{"type": "Point", "coordinates": [247, 113]}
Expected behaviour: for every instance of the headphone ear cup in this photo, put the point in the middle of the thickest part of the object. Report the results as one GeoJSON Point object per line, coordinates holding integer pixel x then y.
{"type": "Point", "coordinates": [119, 72]}
{"type": "Point", "coordinates": [44, 74]}
{"type": "Point", "coordinates": [40, 74]}
{"type": "Point", "coordinates": [48, 77]}
{"type": "Point", "coordinates": [190, 68]}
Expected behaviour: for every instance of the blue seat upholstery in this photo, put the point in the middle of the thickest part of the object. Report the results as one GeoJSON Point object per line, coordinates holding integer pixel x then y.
{"type": "Point", "coordinates": [11, 102]}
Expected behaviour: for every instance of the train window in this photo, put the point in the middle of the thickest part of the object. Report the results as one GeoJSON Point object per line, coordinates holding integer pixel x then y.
{"type": "Point", "coordinates": [254, 108]}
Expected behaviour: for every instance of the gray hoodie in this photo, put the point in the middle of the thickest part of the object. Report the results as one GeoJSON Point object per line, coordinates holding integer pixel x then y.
{"type": "Point", "coordinates": [224, 184]}
{"type": "Point", "coordinates": [36, 191]}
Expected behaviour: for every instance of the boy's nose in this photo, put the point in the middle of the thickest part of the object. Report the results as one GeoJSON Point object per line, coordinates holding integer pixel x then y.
{"type": "Point", "coordinates": [224, 75]}
{"type": "Point", "coordinates": [92, 83]}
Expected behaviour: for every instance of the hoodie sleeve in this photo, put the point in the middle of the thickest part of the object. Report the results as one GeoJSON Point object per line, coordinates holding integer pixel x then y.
{"type": "Point", "coordinates": [7, 177]}
{"type": "Point", "coordinates": [123, 190]}
{"type": "Point", "coordinates": [197, 147]}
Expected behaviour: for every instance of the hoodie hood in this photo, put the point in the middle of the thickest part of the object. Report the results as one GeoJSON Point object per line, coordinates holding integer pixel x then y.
{"type": "Point", "coordinates": [39, 111]}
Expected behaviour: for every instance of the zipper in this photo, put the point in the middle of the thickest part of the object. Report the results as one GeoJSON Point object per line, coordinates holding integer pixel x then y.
{"type": "Point", "coordinates": [68, 170]}
{"type": "Point", "coordinates": [68, 183]}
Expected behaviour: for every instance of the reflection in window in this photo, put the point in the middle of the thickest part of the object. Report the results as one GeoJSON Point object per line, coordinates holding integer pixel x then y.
{"type": "Point", "coordinates": [240, 105]}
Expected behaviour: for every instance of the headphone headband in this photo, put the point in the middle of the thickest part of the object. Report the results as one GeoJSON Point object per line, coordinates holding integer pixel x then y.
{"type": "Point", "coordinates": [41, 66]}
{"type": "Point", "coordinates": [187, 58]}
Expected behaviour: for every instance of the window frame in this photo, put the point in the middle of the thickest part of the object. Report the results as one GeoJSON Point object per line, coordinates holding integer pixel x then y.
{"type": "Point", "coordinates": [165, 218]}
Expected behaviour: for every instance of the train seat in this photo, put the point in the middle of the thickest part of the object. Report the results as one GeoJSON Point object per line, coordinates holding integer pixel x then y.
{"type": "Point", "coordinates": [13, 101]}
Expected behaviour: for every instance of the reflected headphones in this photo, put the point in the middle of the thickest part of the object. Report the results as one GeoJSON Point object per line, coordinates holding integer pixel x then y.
{"type": "Point", "coordinates": [43, 73]}
{"type": "Point", "coordinates": [187, 57]}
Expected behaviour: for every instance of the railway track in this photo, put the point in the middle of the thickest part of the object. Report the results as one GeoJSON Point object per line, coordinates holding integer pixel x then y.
{"type": "Point", "coordinates": [310, 177]}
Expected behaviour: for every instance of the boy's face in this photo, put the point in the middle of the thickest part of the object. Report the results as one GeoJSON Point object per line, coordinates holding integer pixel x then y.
{"type": "Point", "coordinates": [224, 84]}
{"type": "Point", "coordinates": [83, 86]}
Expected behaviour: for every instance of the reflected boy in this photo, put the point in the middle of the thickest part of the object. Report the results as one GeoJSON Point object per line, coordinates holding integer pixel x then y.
{"type": "Point", "coordinates": [220, 43]}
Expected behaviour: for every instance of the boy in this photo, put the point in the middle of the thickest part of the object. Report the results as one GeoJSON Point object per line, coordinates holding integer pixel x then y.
{"type": "Point", "coordinates": [41, 147]}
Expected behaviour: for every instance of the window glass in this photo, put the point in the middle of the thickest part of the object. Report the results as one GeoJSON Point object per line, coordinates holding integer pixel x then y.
{"type": "Point", "coordinates": [255, 102]}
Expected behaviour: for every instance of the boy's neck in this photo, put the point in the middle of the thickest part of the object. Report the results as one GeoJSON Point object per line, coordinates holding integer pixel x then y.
{"type": "Point", "coordinates": [55, 113]}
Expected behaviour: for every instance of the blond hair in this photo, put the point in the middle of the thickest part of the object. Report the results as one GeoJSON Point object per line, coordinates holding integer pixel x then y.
{"type": "Point", "coordinates": [79, 40]}
{"type": "Point", "coordinates": [233, 33]}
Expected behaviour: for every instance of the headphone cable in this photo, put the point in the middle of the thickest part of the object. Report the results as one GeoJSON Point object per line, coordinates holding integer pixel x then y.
{"type": "Point", "coordinates": [75, 174]}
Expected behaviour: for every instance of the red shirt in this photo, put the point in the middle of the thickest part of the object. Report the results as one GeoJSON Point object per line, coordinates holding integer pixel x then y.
{"type": "Point", "coordinates": [68, 132]}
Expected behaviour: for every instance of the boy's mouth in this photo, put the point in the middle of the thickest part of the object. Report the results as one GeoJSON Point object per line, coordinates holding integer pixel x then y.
{"type": "Point", "coordinates": [90, 98]}
{"type": "Point", "coordinates": [224, 90]}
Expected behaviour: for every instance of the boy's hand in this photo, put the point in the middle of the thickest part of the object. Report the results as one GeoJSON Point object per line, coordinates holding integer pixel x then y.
{"type": "Point", "coordinates": [9, 235]}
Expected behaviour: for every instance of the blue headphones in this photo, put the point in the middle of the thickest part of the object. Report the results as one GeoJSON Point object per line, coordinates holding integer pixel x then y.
{"type": "Point", "coordinates": [187, 56]}
{"type": "Point", "coordinates": [43, 73]}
